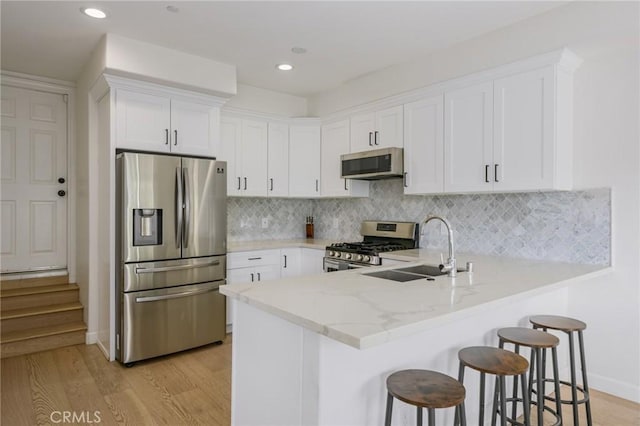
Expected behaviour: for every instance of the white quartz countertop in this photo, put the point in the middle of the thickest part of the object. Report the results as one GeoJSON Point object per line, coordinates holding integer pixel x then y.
{"type": "Point", "coordinates": [311, 243]}
{"type": "Point", "coordinates": [363, 311]}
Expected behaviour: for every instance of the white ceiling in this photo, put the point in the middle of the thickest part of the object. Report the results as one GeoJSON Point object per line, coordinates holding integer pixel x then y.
{"type": "Point", "coordinates": [344, 39]}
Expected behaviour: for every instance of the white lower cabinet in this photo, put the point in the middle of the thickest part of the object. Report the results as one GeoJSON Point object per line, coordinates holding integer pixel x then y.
{"type": "Point", "coordinates": [312, 261]}
{"type": "Point", "coordinates": [290, 262]}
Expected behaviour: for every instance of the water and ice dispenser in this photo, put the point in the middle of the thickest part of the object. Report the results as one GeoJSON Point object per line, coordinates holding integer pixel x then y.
{"type": "Point", "coordinates": [147, 227]}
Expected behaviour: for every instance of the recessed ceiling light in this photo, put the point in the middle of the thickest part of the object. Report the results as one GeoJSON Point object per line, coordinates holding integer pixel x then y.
{"type": "Point", "coordinates": [284, 67]}
{"type": "Point", "coordinates": [299, 50]}
{"type": "Point", "coordinates": [94, 13]}
{"type": "Point", "coordinates": [172, 9]}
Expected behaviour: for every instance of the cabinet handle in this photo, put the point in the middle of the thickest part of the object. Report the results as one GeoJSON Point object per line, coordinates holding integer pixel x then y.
{"type": "Point", "coordinates": [285, 261]}
{"type": "Point", "coordinates": [404, 179]}
{"type": "Point", "coordinates": [252, 277]}
{"type": "Point", "coordinates": [175, 137]}
{"type": "Point", "coordinates": [245, 184]}
{"type": "Point", "coordinates": [271, 180]}
{"type": "Point", "coordinates": [345, 185]}
{"type": "Point", "coordinates": [486, 173]}
{"type": "Point", "coordinates": [495, 173]}
{"type": "Point", "coordinates": [370, 134]}
{"type": "Point", "coordinates": [375, 137]}
{"type": "Point", "coordinates": [317, 185]}
{"type": "Point", "coordinates": [238, 183]}
{"type": "Point", "coordinates": [258, 276]}
{"type": "Point", "coordinates": [166, 136]}
{"type": "Point", "coordinates": [254, 258]}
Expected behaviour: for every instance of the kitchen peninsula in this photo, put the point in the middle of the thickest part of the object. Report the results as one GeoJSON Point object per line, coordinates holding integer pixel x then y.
{"type": "Point", "coordinates": [316, 350]}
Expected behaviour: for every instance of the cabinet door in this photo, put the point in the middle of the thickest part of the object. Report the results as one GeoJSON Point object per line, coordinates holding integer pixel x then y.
{"type": "Point", "coordinates": [362, 127]}
{"type": "Point", "coordinates": [142, 121]}
{"type": "Point", "coordinates": [195, 128]}
{"type": "Point", "coordinates": [278, 162]}
{"type": "Point", "coordinates": [389, 128]}
{"type": "Point", "coordinates": [335, 142]}
{"type": "Point", "coordinates": [266, 273]}
{"type": "Point", "coordinates": [290, 262]}
{"type": "Point", "coordinates": [312, 261]}
{"type": "Point", "coordinates": [236, 276]}
{"type": "Point", "coordinates": [523, 149]}
{"type": "Point", "coordinates": [424, 146]}
{"type": "Point", "coordinates": [468, 139]}
{"type": "Point", "coordinates": [304, 161]}
{"type": "Point", "coordinates": [254, 158]}
{"type": "Point", "coordinates": [230, 137]}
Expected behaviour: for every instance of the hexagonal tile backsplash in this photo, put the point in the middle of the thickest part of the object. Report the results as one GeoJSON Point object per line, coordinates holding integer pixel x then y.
{"type": "Point", "coordinates": [572, 226]}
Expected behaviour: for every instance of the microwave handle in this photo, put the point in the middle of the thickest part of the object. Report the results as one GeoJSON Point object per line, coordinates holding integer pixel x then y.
{"type": "Point", "coordinates": [370, 135]}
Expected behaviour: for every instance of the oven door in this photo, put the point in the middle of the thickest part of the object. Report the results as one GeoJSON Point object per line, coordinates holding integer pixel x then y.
{"type": "Point", "coordinates": [334, 265]}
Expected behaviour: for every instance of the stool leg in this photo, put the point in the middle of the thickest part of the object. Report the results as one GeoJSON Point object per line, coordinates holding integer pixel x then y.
{"type": "Point", "coordinates": [419, 416]}
{"type": "Point", "coordinates": [532, 362]}
{"type": "Point", "coordinates": [481, 416]}
{"type": "Point", "coordinates": [494, 406]}
{"type": "Point", "coordinates": [525, 401]}
{"type": "Point", "coordinates": [584, 378]}
{"type": "Point", "coordinates": [539, 388]}
{"type": "Point", "coordinates": [514, 406]}
{"type": "Point", "coordinates": [503, 402]}
{"type": "Point", "coordinates": [463, 414]}
{"type": "Point", "coordinates": [458, 419]}
{"type": "Point", "coordinates": [574, 392]}
{"type": "Point", "coordinates": [387, 416]}
{"type": "Point", "coordinates": [556, 380]}
{"type": "Point", "coordinates": [432, 416]}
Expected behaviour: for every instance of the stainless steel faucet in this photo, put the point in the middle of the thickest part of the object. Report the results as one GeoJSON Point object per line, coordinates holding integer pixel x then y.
{"type": "Point", "coordinates": [450, 266]}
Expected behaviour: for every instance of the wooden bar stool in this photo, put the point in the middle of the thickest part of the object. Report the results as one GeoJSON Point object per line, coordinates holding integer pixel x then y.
{"type": "Point", "coordinates": [539, 342]}
{"type": "Point", "coordinates": [569, 326]}
{"type": "Point", "coordinates": [500, 363]}
{"type": "Point", "coordinates": [425, 389]}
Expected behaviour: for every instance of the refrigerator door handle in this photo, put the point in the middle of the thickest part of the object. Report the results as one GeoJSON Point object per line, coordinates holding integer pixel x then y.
{"type": "Point", "coordinates": [187, 207]}
{"type": "Point", "coordinates": [173, 296]}
{"type": "Point", "coordinates": [175, 268]}
{"type": "Point", "coordinates": [179, 217]}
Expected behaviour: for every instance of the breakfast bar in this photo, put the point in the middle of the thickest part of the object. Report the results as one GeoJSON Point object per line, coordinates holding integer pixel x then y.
{"type": "Point", "coordinates": [316, 350]}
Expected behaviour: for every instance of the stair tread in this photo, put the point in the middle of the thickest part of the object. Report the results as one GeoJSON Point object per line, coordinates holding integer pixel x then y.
{"type": "Point", "coordinates": [15, 336]}
{"type": "Point", "coordinates": [37, 290]}
{"type": "Point", "coordinates": [39, 310]}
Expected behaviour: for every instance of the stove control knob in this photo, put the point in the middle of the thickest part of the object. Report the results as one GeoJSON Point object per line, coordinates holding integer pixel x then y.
{"type": "Point", "coordinates": [359, 258]}
{"type": "Point", "coordinates": [332, 253]}
{"type": "Point", "coordinates": [337, 254]}
{"type": "Point", "coordinates": [347, 256]}
{"type": "Point", "coordinates": [366, 258]}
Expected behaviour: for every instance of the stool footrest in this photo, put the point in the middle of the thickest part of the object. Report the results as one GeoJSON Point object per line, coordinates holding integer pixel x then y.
{"type": "Point", "coordinates": [585, 394]}
{"type": "Point", "coordinates": [545, 408]}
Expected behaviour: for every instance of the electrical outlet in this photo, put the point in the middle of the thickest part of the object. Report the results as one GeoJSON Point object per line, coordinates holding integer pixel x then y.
{"type": "Point", "coordinates": [265, 222]}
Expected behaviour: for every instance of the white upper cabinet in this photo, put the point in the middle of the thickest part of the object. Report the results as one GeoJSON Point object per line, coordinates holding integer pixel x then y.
{"type": "Point", "coordinates": [424, 146]}
{"type": "Point", "coordinates": [161, 123]}
{"type": "Point", "coordinates": [335, 142]}
{"type": "Point", "coordinates": [244, 148]}
{"type": "Point", "coordinates": [468, 139]}
{"type": "Point", "coordinates": [304, 160]}
{"type": "Point", "coordinates": [278, 160]}
{"type": "Point", "coordinates": [380, 129]}
{"type": "Point", "coordinates": [523, 132]}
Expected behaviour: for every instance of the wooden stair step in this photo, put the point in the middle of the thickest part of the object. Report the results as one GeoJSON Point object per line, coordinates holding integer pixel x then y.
{"type": "Point", "coordinates": [20, 282]}
{"type": "Point", "coordinates": [40, 316]}
{"type": "Point", "coordinates": [20, 298]}
{"type": "Point", "coordinates": [42, 338]}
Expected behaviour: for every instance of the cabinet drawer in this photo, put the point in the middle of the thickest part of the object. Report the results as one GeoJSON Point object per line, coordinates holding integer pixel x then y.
{"type": "Point", "coordinates": [253, 258]}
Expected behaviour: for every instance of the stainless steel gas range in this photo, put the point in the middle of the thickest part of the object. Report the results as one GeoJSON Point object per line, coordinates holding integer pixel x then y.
{"type": "Point", "coordinates": [378, 237]}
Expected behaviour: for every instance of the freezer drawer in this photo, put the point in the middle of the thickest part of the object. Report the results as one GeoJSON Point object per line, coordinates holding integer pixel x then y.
{"type": "Point", "coordinates": [160, 322]}
{"type": "Point", "coordinates": [169, 273]}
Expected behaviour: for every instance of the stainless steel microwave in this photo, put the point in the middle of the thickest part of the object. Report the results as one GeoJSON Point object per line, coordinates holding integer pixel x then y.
{"type": "Point", "coordinates": [375, 164]}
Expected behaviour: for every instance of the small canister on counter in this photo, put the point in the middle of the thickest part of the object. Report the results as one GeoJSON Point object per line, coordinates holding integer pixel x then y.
{"type": "Point", "coordinates": [309, 226]}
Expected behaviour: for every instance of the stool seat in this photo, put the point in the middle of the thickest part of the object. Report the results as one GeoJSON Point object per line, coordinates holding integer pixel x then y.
{"type": "Point", "coordinates": [424, 388]}
{"type": "Point", "coordinates": [556, 322]}
{"type": "Point", "coordinates": [528, 337]}
{"type": "Point", "coordinates": [493, 360]}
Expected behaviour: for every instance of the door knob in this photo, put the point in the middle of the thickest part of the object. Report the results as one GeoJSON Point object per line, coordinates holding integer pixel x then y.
{"type": "Point", "coordinates": [61, 180]}
{"type": "Point", "coordinates": [62, 193]}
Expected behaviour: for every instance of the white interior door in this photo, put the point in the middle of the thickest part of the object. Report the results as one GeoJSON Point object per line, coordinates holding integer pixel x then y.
{"type": "Point", "coordinates": [34, 174]}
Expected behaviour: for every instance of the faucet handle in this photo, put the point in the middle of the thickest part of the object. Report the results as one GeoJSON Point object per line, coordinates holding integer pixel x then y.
{"type": "Point", "coordinates": [441, 258]}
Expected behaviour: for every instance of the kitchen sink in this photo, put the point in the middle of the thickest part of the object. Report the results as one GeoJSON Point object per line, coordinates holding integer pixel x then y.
{"type": "Point", "coordinates": [411, 273]}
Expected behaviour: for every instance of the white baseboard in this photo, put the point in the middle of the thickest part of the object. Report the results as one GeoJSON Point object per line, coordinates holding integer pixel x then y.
{"type": "Point", "coordinates": [615, 387]}
{"type": "Point", "coordinates": [91, 337]}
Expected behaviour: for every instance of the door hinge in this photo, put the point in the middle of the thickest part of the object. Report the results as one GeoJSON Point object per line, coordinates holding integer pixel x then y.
{"type": "Point", "coordinates": [118, 341]}
{"type": "Point", "coordinates": [65, 98]}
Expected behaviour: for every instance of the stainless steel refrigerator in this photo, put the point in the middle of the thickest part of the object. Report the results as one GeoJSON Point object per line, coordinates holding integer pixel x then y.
{"type": "Point", "coordinates": [171, 222]}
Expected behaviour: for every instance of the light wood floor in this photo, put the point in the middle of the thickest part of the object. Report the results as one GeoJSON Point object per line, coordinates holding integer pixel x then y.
{"type": "Point", "coordinates": [192, 387]}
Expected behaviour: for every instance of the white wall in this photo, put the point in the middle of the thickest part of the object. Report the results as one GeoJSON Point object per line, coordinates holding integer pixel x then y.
{"type": "Point", "coordinates": [606, 35]}
{"type": "Point", "coordinates": [267, 101]}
